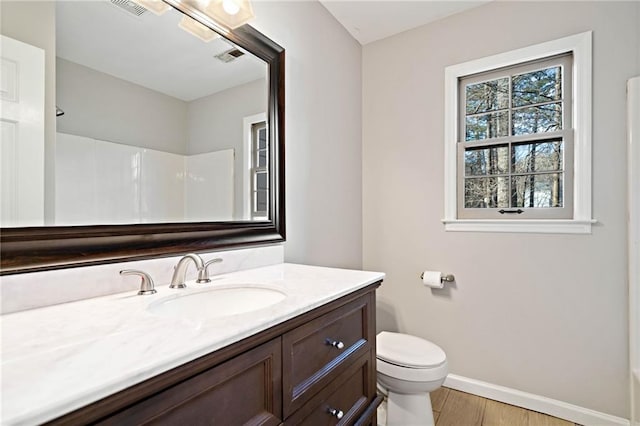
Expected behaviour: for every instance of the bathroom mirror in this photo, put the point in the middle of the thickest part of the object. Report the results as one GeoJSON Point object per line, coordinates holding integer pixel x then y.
{"type": "Point", "coordinates": [168, 138]}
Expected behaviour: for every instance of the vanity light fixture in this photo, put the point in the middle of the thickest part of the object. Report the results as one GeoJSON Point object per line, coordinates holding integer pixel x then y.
{"type": "Point", "coordinates": [156, 6]}
{"type": "Point", "coordinates": [197, 29]}
{"type": "Point", "coordinates": [230, 13]}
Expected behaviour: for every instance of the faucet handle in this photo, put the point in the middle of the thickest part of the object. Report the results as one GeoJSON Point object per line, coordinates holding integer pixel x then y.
{"type": "Point", "coordinates": [146, 283]}
{"type": "Point", "coordinates": [203, 274]}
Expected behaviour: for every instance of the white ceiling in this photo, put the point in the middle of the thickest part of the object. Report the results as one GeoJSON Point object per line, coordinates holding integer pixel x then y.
{"type": "Point", "coordinates": [369, 21]}
{"type": "Point", "coordinates": [149, 50]}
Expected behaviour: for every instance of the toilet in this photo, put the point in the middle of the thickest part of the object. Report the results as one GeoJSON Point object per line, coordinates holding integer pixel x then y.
{"type": "Point", "coordinates": [408, 369]}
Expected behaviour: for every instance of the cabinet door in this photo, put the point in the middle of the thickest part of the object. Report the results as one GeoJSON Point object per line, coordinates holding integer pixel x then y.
{"type": "Point", "coordinates": [246, 390]}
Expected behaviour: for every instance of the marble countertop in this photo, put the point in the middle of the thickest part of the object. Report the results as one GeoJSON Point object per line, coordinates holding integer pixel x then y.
{"type": "Point", "coordinates": [60, 358]}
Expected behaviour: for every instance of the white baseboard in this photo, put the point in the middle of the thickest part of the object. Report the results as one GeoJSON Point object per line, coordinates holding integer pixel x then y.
{"type": "Point", "coordinates": [552, 407]}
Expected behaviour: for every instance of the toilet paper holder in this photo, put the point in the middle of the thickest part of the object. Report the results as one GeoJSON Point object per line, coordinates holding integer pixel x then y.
{"type": "Point", "coordinates": [448, 278]}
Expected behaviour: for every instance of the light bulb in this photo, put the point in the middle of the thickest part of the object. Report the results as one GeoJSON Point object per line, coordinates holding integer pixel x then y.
{"type": "Point", "coordinates": [230, 6]}
{"type": "Point", "coordinates": [229, 14]}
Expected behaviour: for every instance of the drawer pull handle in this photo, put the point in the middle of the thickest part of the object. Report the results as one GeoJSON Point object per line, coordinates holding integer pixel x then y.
{"type": "Point", "coordinates": [336, 413]}
{"type": "Point", "coordinates": [335, 343]}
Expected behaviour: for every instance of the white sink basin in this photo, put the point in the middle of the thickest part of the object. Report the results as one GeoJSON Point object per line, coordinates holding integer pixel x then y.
{"type": "Point", "coordinates": [217, 302]}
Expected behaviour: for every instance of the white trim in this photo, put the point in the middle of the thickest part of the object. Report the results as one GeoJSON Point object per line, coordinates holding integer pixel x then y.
{"type": "Point", "coordinates": [543, 226]}
{"type": "Point", "coordinates": [247, 122]}
{"type": "Point", "coordinates": [580, 46]}
{"type": "Point", "coordinates": [633, 140]}
{"type": "Point", "coordinates": [552, 407]}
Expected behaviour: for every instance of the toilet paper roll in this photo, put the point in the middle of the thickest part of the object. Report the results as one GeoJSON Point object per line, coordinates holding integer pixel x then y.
{"type": "Point", "coordinates": [432, 279]}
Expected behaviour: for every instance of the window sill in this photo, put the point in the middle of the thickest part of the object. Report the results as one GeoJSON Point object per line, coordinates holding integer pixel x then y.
{"type": "Point", "coordinates": [565, 226]}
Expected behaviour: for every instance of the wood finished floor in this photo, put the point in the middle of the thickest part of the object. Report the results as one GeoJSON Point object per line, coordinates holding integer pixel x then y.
{"type": "Point", "coordinates": [455, 408]}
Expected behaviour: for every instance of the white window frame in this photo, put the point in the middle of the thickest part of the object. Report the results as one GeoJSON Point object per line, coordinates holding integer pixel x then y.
{"type": "Point", "coordinates": [580, 45]}
{"type": "Point", "coordinates": [247, 161]}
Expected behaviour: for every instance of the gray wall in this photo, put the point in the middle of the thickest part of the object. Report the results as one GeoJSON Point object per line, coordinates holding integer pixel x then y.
{"type": "Point", "coordinates": [100, 106]}
{"type": "Point", "coordinates": [323, 132]}
{"type": "Point", "coordinates": [215, 122]}
{"type": "Point", "coordinates": [545, 314]}
{"type": "Point", "coordinates": [34, 22]}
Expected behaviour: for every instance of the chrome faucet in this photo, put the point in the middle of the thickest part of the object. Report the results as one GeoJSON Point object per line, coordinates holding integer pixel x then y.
{"type": "Point", "coordinates": [180, 271]}
{"type": "Point", "coordinates": [146, 283]}
{"type": "Point", "coordinates": [203, 274]}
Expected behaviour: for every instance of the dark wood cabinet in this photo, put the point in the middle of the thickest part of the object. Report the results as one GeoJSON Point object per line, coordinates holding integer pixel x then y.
{"type": "Point", "coordinates": [315, 369]}
{"type": "Point", "coordinates": [341, 402]}
{"type": "Point", "coordinates": [244, 390]}
{"type": "Point", "coordinates": [316, 353]}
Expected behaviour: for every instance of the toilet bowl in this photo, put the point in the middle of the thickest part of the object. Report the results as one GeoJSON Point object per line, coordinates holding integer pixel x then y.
{"type": "Point", "coordinates": [408, 369]}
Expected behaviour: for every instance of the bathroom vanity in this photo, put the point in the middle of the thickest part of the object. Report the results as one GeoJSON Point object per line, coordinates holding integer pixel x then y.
{"type": "Point", "coordinates": [307, 359]}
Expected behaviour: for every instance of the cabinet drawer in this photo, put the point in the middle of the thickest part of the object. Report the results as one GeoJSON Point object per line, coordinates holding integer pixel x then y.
{"type": "Point", "coordinates": [349, 394]}
{"type": "Point", "coordinates": [310, 361]}
{"type": "Point", "coordinates": [243, 390]}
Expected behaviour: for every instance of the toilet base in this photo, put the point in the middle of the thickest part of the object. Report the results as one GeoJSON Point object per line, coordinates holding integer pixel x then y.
{"type": "Point", "coordinates": [409, 409]}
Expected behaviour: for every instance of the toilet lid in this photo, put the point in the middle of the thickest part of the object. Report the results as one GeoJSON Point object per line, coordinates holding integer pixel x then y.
{"type": "Point", "coordinates": [408, 351]}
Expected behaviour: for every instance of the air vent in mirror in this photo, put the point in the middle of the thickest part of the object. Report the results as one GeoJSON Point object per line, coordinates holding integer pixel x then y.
{"type": "Point", "coordinates": [230, 55]}
{"type": "Point", "coordinates": [129, 6]}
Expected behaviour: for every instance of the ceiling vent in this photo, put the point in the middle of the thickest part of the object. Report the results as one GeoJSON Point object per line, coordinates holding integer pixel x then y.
{"type": "Point", "coordinates": [230, 55]}
{"type": "Point", "coordinates": [129, 6]}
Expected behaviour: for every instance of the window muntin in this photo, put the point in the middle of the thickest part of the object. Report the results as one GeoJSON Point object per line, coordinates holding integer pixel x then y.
{"type": "Point", "coordinates": [515, 147]}
{"type": "Point", "coordinates": [259, 171]}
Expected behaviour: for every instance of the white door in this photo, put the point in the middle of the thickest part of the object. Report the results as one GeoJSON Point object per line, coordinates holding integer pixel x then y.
{"type": "Point", "coordinates": [21, 134]}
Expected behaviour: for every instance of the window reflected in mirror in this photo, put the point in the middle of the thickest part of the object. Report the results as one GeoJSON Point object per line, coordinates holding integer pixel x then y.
{"type": "Point", "coordinates": [259, 171]}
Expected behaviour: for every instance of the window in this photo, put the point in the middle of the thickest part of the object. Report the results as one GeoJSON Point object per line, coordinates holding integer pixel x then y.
{"type": "Point", "coordinates": [518, 140]}
{"type": "Point", "coordinates": [255, 170]}
{"type": "Point", "coordinates": [515, 133]}
{"type": "Point", "coordinates": [259, 171]}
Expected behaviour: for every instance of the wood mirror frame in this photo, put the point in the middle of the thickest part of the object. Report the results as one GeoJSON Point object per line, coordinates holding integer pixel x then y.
{"type": "Point", "coordinates": [33, 249]}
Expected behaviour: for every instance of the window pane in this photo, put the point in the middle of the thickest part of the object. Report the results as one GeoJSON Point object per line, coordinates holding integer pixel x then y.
{"type": "Point", "coordinates": [538, 119]}
{"type": "Point", "coordinates": [486, 192]}
{"type": "Point", "coordinates": [261, 201]}
{"type": "Point", "coordinates": [486, 161]}
{"type": "Point", "coordinates": [261, 181]}
{"type": "Point", "coordinates": [537, 87]}
{"type": "Point", "coordinates": [262, 138]}
{"type": "Point", "coordinates": [537, 190]}
{"type": "Point", "coordinates": [537, 157]}
{"type": "Point", "coordinates": [262, 158]}
{"type": "Point", "coordinates": [487, 126]}
{"type": "Point", "coordinates": [487, 96]}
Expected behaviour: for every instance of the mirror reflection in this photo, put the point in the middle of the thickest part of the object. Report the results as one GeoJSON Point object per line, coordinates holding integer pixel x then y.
{"type": "Point", "coordinates": [159, 120]}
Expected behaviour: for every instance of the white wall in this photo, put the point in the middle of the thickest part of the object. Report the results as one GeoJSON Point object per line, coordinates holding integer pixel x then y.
{"type": "Point", "coordinates": [108, 183]}
{"type": "Point", "coordinates": [322, 131]}
{"type": "Point", "coordinates": [545, 314]}
{"type": "Point", "coordinates": [208, 186]}
{"type": "Point", "coordinates": [100, 106]}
